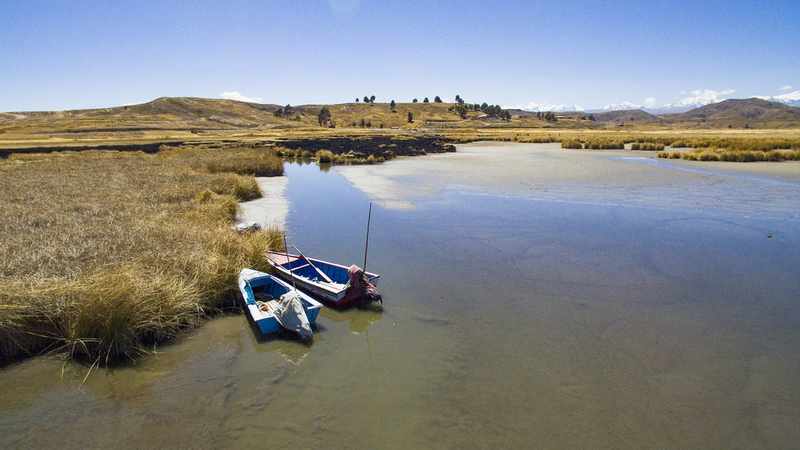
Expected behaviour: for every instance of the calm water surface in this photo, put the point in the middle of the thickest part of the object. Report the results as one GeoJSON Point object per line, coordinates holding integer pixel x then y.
{"type": "Point", "coordinates": [535, 298]}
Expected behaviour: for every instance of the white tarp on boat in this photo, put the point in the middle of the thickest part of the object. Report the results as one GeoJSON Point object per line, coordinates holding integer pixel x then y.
{"type": "Point", "coordinates": [291, 315]}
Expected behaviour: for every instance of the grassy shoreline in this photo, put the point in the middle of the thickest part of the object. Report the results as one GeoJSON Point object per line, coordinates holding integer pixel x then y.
{"type": "Point", "coordinates": [112, 253]}
{"type": "Point", "coordinates": [354, 146]}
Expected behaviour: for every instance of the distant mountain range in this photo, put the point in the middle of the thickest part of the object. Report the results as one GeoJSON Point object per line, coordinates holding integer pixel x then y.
{"type": "Point", "coordinates": [737, 113]}
{"type": "Point", "coordinates": [791, 99]}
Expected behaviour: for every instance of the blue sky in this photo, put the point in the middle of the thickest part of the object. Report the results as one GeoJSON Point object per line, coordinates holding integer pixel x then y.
{"type": "Point", "coordinates": [77, 54]}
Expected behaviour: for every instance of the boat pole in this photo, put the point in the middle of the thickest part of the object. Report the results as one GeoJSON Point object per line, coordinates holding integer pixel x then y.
{"type": "Point", "coordinates": [286, 252]}
{"type": "Point", "coordinates": [366, 241]}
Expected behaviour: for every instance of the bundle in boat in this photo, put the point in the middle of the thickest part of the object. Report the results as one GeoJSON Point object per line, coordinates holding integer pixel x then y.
{"type": "Point", "coordinates": [273, 305]}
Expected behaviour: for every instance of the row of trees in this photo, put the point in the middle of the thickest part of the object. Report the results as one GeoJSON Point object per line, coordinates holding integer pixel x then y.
{"type": "Point", "coordinates": [495, 111]}
{"type": "Point", "coordinates": [286, 111]}
{"type": "Point", "coordinates": [436, 99]}
{"type": "Point", "coordinates": [371, 99]}
{"type": "Point", "coordinates": [549, 116]}
{"type": "Point", "coordinates": [461, 108]}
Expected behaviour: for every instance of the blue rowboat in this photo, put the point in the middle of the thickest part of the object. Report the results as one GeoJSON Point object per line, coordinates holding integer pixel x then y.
{"type": "Point", "coordinates": [263, 303]}
{"type": "Point", "coordinates": [325, 280]}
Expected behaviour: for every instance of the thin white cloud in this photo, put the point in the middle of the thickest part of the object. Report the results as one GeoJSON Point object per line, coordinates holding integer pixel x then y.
{"type": "Point", "coordinates": [238, 96]}
{"type": "Point", "coordinates": [650, 102]}
{"type": "Point", "coordinates": [785, 88]}
{"type": "Point", "coordinates": [703, 97]}
{"type": "Point", "coordinates": [793, 96]}
{"type": "Point", "coordinates": [544, 107]}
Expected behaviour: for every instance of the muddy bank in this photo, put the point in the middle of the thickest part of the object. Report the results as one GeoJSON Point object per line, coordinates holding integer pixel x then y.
{"type": "Point", "coordinates": [363, 146]}
{"type": "Point", "coordinates": [149, 147]}
{"type": "Point", "coordinates": [372, 145]}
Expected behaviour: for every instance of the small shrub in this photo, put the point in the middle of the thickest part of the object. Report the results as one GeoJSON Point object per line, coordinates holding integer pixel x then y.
{"type": "Point", "coordinates": [325, 156]}
{"type": "Point", "coordinates": [572, 144]}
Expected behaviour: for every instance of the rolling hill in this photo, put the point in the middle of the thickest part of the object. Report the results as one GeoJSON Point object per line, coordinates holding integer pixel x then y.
{"type": "Point", "coordinates": [626, 116]}
{"type": "Point", "coordinates": [739, 113]}
{"type": "Point", "coordinates": [186, 116]}
{"type": "Point", "coordinates": [193, 114]}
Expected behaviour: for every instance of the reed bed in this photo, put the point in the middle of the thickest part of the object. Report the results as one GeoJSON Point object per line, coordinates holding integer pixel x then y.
{"type": "Point", "coordinates": [650, 146]}
{"type": "Point", "coordinates": [329, 157]}
{"type": "Point", "coordinates": [733, 155]}
{"type": "Point", "coordinates": [109, 254]}
{"type": "Point", "coordinates": [571, 144]}
{"type": "Point", "coordinates": [258, 162]}
{"type": "Point", "coordinates": [605, 144]}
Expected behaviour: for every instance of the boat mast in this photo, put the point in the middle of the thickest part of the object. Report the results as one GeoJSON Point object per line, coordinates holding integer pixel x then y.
{"type": "Point", "coordinates": [286, 252]}
{"type": "Point", "coordinates": [366, 242]}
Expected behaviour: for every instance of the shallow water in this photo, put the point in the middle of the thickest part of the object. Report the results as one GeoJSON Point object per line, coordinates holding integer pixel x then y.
{"type": "Point", "coordinates": [534, 298]}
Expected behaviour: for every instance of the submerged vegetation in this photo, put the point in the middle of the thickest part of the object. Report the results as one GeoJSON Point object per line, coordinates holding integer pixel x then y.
{"type": "Point", "coordinates": [107, 254]}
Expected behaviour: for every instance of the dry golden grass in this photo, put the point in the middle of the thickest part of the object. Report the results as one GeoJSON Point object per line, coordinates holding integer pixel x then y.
{"type": "Point", "coordinates": [241, 160]}
{"type": "Point", "coordinates": [106, 254]}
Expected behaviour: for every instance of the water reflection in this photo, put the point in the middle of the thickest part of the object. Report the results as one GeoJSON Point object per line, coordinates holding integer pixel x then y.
{"type": "Point", "coordinates": [358, 320]}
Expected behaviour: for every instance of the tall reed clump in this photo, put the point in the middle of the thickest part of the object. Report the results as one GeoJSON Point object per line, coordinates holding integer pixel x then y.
{"type": "Point", "coordinates": [650, 146]}
{"type": "Point", "coordinates": [325, 156]}
{"type": "Point", "coordinates": [604, 144]}
{"type": "Point", "coordinates": [572, 144]}
{"type": "Point", "coordinates": [111, 253]}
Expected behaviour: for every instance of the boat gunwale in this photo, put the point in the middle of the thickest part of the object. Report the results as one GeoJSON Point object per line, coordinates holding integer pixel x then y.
{"type": "Point", "coordinates": [337, 294]}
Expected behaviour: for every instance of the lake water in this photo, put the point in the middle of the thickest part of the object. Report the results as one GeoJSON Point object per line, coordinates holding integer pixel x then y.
{"type": "Point", "coordinates": [535, 298]}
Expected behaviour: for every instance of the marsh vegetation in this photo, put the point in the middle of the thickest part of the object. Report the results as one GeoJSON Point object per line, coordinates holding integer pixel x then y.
{"type": "Point", "coordinates": [733, 155]}
{"type": "Point", "coordinates": [108, 254]}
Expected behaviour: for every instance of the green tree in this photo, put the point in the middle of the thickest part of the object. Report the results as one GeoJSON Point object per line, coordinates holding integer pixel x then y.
{"type": "Point", "coordinates": [356, 99]}
{"type": "Point", "coordinates": [461, 110]}
{"type": "Point", "coordinates": [366, 99]}
{"type": "Point", "coordinates": [372, 99]}
{"type": "Point", "coordinates": [459, 100]}
{"type": "Point", "coordinates": [426, 100]}
{"type": "Point", "coordinates": [324, 116]}
{"type": "Point", "coordinates": [414, 101]}
{"type": "Point", "coordinates": [392, 105]}
{"type": "Point", "coordinates": [437, 99]}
